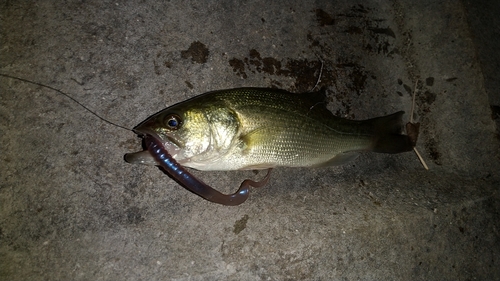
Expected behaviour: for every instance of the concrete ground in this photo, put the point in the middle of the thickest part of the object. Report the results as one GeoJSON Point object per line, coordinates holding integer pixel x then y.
{"type": "Point", "coordinates": [72, 209]}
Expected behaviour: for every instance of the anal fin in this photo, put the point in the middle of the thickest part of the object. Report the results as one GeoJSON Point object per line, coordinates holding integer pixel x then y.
{"type": "Point", "coordinates": [339, 159]}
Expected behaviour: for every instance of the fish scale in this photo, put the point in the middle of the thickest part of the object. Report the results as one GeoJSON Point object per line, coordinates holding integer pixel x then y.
{"type": "Point", "coordinates": [298, 143]}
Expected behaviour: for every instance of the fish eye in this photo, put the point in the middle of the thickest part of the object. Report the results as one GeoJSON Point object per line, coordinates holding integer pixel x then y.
{"type": "Point", "coordinates": [173, 122]}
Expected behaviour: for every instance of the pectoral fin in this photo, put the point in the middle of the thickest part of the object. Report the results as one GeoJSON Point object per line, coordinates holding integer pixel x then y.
{"type": "Point", "coordinates": [257, 138]}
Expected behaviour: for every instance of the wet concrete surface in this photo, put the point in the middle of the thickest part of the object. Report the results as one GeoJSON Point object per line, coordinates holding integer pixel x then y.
{"type": "Point", "coordinates": [72, 209]}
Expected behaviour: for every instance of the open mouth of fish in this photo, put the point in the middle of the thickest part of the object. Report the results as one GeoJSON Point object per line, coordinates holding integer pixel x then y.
{"type": "Point", "coordinates": [146, 156]}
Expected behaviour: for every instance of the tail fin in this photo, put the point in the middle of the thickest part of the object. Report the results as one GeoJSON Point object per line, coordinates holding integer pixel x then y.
{"type": "Point", "coordinates": [387, 134]}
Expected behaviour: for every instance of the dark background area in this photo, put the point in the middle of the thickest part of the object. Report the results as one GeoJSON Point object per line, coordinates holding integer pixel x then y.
{"type": "Point", "coordinates": [72, 209]}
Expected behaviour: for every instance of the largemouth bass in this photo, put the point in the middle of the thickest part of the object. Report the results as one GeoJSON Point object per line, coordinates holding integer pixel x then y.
{"type": "Point", "coordinates": [261, 128]}
{"type": "Point", "coordinates": [257, 128]}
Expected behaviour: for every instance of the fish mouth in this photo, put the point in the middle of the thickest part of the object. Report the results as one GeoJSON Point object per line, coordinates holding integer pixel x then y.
{"type": "Point", "coordinates": [145, 157]}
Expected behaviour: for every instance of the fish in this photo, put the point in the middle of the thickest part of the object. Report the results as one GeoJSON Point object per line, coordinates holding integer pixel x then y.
{"type": "Point", "coordinates": [257, 129]}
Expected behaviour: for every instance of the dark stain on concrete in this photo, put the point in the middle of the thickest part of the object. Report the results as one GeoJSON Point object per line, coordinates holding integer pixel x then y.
{"type": "Point", "coordinates": [408, 89]}
{"type": "Point", "coordinates": [359, 9]}
{"type": "Point", "coordinates": [238, 67]}
{"type": "Point", "coordinates": [428, 97]}
{"type": "Point", "coordinates": [384, 31]}
{"type": "Point", "coordinates": [324, 18]}
{"type": "Point", "coordinates": [429, 81]}
{"type": "Point", "coordinates": [134, 215]}
{"type": "Point", "coordinates": [431, 147]}
{"type": "Point", "coordinates": [156, 68]}
{"type": "Point", "coordinates": [354, 30]}
{"type": "Point", "coordinates": [272, 66]}
{"type": "Point", "coordinates": [198, 52]}
{"type": "Point", "coordinates": [379, 38]}
{"type": "Point", "coordinates": [305, 72]}
{"type": "Point", "coordinates": [240, 224]}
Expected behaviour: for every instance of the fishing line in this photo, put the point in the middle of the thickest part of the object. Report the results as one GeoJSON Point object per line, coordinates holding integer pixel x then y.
{"type": "Point", "coordinates": [66, 95]}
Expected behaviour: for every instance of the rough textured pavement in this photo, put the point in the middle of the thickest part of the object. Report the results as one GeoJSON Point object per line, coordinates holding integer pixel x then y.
{"type": "Point", "coordinates": [72, 209]}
